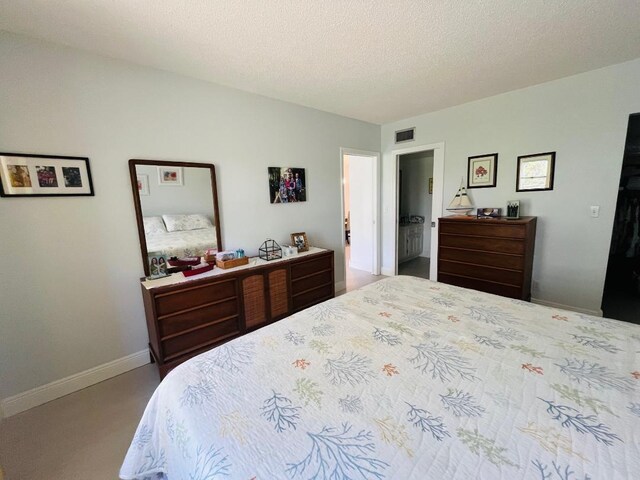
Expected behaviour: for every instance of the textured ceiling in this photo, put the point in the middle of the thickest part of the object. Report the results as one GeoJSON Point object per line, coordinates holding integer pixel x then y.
{"type": "Point", "coordinates": [375, 60]}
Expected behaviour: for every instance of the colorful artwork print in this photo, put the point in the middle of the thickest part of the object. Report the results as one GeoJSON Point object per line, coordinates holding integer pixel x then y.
{"type": "Point", "coordinates": [482, 171]}
{"type": "Point", "coordinates": [170, 175]}
{"type": "Point", "coordinates": [47, 177]}
{"type": "Point", "coordinates": [72, 177]}
{"type": "Point", "coordinates": [19, 176]}
{"type": "Point", "coordinates": [287, 185]}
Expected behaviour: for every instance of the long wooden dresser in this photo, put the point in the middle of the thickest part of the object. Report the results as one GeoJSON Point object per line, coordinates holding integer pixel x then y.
{"type": "Point", "coordinates": [492, 255]}
{"type": "Point", "coordinates": [186, 317]}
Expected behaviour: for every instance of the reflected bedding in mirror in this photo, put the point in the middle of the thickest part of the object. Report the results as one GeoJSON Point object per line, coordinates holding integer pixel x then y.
{"type": "Point", "coordinates": [179, 235]}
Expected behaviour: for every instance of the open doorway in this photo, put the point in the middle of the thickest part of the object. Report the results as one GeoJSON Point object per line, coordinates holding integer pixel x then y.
{"type": "Point", "coordinates": [361, 199]}
{"type": "Point", "coordinates": [621, 298]}
{"type": "Point", "coordinates": [391, 222]}
{"type": "Point", "coordinates": [415, 202]}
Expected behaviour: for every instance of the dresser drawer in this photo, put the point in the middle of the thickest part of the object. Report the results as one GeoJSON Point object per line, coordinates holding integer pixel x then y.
{"type": "Point", "coordinates": [307, 267]}
{"type": "Point", "coordinates": [484, 244]}
{"type": "Point", "coordinates": [491, 259]}
{"type": "Point", "coordinates": [482, 285]}
{"type": "Point", "coordinates": [311, 297]}
{"type": "Point", "coordinates": [511, 277]}
{"type": "Point", "coordinates": [485, 230]}
{"type": "Point", "coordinates": [170, 302]}
{"type": "Point", "coordinates": [174, 347]}
{"type": "Point", "coordinates": [174, 324]}
{"type": "Point", "coordinates": [311, 281]}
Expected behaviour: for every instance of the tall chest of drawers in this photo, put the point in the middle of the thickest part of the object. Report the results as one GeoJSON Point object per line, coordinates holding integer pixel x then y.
{"type": "Point", "coordinates": [490, 255]}
{"type": "Point", "coordinates": [186, 318]}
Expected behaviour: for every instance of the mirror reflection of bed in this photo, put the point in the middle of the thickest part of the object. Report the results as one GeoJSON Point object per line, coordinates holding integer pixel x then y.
{"type": "Point", "coordinates": [178, 214]}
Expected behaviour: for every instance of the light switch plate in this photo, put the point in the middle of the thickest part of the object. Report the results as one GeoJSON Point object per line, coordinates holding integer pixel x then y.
{"type": "Point", "coordinates": [595, 211]}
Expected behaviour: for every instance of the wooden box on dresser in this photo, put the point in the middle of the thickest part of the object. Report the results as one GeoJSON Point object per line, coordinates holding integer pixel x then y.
{"type": "Point", "coordinates": [190, 316]}
{"type": "Point", "coordinates": [492, 255]}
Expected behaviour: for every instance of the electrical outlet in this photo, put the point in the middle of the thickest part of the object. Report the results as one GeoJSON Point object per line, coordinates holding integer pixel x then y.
{"type": "Point", "coordinates": [595, 211]}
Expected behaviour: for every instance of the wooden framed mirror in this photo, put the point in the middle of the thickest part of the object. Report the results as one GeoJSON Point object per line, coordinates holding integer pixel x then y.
{"type": "Point", "coordinates": [176, 208]}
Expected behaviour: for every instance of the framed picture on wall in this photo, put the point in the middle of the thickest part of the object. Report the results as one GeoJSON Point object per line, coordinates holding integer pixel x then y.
{"type": "Point", "coordinates": [287, 185]}
{"type": "Point", "coordinates": [535, 172]}
{"type": "Point", "coordinates": [482, 171]}
{"type": "Point", "coordinates": [170, 176]}
{"type": "Point", "coordinates": [27, 175]}
{"type": "Point", "coordinates": [143, 184]}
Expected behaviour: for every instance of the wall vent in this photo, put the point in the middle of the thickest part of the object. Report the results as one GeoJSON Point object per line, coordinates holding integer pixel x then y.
{"type": "Point", "coordinates": [406, 135]}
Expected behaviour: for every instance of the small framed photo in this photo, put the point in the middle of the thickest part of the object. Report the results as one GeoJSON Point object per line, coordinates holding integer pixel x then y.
{"type": "Point", "coordinates": [27, 175]}
{"type": "Point", "coordinates": [143, 184]}
{"type": "Point", "coordinates": [157, 265]}
{"type": "Point", "coordinates": [488, 213]}
{"type": "Point", "coordinates": [482, 171]}
{"type": "Point", "coordinates": [431, 186]}
{"type": "Point", "coordinates": [300, 240]}
{"type": "Point", "coordinates": [535, 172]}
{"type": "Point", "coordinates": [170, 176]}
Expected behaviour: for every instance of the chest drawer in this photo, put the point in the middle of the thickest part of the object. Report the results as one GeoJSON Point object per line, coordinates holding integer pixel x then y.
{"type": "Point", "coordinates": [175, 301]}
{"type": "Point", "coordinates": [304, 268]}
{"type": "Point", "coordinates": [490, 259]}
{"type": "Point", "coordinates": [195, 318]}
{"type": "Point", "coordinates": [483, 244]}
{"type": "Point", "coordinates": [500, 275]}
{"type": "Point", "coordinates": [484, 230]}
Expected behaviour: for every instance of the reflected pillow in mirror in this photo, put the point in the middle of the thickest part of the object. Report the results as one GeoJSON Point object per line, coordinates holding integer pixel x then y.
{"type": "Point", "coordinates": [177, 223]}
{"type": "Point", "coordinates": [153, 226]}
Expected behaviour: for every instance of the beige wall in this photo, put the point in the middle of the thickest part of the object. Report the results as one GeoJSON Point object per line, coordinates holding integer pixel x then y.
{"type": "Point", "coordinates": [69, 296]}
{"type": "Point", "coordinates": [584, 119]}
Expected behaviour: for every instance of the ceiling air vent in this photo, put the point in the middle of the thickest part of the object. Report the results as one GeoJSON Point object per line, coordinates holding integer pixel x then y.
{"type": "Point", "coordinates": [405, 135]}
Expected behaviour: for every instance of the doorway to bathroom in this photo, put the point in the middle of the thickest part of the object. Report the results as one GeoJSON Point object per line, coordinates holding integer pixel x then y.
{"type": "Point", "coordinates": [415, 202]}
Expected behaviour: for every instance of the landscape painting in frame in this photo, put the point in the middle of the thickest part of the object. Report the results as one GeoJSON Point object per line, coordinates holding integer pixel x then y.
{"type": "Point", "coordinates": [287, 185]}
{"type": "Point", "coordinates": [29, 175]}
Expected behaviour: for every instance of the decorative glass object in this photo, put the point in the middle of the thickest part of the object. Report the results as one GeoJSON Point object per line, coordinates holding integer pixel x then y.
{"type": "Point", "coordinates": [270, 250]}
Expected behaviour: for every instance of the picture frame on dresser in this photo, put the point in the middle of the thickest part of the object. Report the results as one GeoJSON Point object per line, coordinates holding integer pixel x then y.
{"type": "Point", "coordinates": [300, 240]}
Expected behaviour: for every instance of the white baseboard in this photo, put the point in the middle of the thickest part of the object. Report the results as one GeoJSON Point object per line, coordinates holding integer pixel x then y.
{"type": "Point", "coordinates": [341, 286]}
{"type": "Point", "coordinates": [59, 388]}
{"type": "Point", "coordinates": [387, 272]}
{"type": "Point", "coordinates": [546, 303]}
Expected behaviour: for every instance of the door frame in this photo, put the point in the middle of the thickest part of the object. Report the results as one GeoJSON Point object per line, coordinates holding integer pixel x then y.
{"type": "Point", "coordinates": [377, 194]}
{"type": "Point", "coordinates": [436, 206]}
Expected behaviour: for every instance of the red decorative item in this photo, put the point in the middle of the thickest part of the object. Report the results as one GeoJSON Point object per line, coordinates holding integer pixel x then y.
{"type": "Point", "coordinates": [196, 271]}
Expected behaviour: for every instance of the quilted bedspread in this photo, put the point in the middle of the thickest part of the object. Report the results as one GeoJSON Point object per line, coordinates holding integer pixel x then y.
{"type": "Point", "coordinates": [403, 379]}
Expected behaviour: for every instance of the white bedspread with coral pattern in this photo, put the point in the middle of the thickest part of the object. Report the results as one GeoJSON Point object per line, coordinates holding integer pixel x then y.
{"type": "Point", "coordinates": [403, 379]}
{"type": "Point", "coordinates": [187, 243]}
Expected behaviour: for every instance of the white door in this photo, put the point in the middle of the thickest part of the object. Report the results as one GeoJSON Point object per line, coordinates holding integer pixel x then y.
{"type": "Point", "coordinates": [361, 204]}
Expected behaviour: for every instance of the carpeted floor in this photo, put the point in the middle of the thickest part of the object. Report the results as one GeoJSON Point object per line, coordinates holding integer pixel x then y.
{"type": "Point", "coordinates": [82, 436]}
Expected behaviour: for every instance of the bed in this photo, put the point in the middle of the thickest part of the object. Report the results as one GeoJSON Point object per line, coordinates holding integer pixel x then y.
{"type": "Point", "coordinates": [403, 379]}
